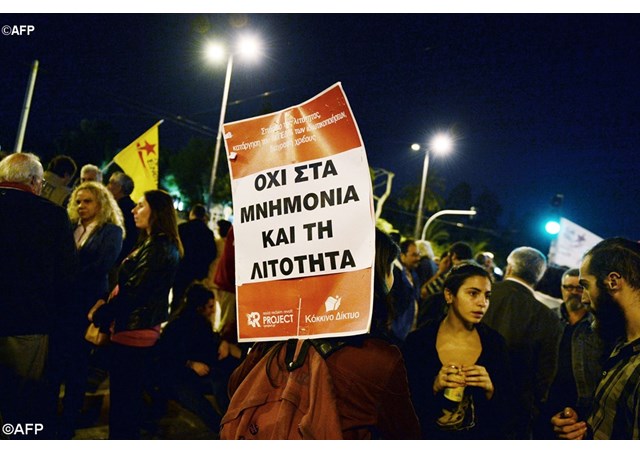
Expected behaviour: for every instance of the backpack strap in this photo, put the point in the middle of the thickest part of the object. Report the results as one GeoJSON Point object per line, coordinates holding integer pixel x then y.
{"type": "Point", "coordinates": [291, 360]}
{"type": "Point", "coordinates": [324, 346]}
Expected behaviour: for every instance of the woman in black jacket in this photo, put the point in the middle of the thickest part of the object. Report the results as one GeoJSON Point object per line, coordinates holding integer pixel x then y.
{"type": "Point", "coordinates": [138, 306]}
{"type": "Point", "coordinates": [458, 368]}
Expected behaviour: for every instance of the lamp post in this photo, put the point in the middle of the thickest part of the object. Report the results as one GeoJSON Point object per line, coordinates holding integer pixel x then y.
{"type": "Point", "coordinates": [247, 46]}
{"type": "Point", "coordinates": [469, 212]}
{"type": "Point", "coordinates": [439, 143]}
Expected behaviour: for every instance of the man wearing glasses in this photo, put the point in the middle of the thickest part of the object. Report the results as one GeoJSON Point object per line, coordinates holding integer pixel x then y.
{"type": "Point", "coordinates": [580, 357]}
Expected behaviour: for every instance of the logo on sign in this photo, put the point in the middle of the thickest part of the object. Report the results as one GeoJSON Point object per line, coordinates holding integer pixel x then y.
{"type": "Point", "coordinates": [253, 319]}
{"type": "Point", "coordinates": [332, 303]}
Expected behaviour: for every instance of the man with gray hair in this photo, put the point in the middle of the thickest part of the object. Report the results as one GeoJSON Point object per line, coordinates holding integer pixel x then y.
{"type": "Point", "coordinates": [90, 172]}
{"type": "Point", "coordinates": [582, 353]}
{"type": "Point", "coordinates": [532, 332]}
{"type": "Point", "coordinates": [36, 276]}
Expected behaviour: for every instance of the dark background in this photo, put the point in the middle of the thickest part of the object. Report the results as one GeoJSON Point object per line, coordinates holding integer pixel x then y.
{"type": "Point", "coordinates": [539, 103]}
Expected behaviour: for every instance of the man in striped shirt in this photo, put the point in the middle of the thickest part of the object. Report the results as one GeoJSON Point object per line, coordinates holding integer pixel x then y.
{"type": "Point", "coordinates": [610, 276]}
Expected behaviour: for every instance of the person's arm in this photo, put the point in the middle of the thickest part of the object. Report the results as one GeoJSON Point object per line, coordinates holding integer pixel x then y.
{"type": "Point", "coordinates": [434, 284]}
{"type": "Point", "coordinates": [566, 425]}
{"type": "Point", "coordinates": [200, 368]}
{"type": "Point", "coordinates": [227, 349]}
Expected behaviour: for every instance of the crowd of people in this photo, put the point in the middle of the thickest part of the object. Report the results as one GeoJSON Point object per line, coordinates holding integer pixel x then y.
{"type": "Point", "coordinates": [454, 339]}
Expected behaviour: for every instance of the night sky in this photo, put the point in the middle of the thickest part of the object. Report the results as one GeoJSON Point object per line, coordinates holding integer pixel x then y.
{"type": "Point", "coordinates": [540, 103]}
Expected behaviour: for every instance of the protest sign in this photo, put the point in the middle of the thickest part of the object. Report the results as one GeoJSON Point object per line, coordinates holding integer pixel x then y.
{"type": "Point", "coordinates": [572, 242]}
{"type": "Point", "coordinates": [304, 225]}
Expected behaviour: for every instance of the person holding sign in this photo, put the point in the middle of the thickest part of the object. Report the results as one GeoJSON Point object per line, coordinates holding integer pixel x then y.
{"type": "Point", "coordinates": [368, 372]}
{"type": "Point", "coordinates": [458, 368]}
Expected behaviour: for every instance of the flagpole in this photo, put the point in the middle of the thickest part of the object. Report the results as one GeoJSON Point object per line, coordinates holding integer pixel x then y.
{"type": "Point", "coordinates": [26, 107]}
{"type": "Point", "coordinates": [104, 169]}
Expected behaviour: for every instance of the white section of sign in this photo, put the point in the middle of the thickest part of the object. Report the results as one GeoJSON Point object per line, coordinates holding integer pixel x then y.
{"type": "Point", "coordinates": [304, 219]}
{"type": "Point", "coordinates": [572, 242]}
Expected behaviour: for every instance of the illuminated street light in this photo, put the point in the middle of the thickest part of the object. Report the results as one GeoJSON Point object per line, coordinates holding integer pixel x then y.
{"type": "Point", "coordinates": [247, 47]}
{"type": "Point", "coordinates": [440, 143]}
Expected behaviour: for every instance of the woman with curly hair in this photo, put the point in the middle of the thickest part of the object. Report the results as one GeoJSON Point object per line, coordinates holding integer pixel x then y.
{"type": "Point", "coordinates": [99, 230]}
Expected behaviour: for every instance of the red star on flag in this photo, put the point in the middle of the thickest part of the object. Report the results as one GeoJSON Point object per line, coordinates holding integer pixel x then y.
{"type": "Point", "coordinates": [148, 147]}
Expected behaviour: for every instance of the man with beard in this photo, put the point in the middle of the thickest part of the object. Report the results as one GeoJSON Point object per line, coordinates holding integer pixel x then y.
{"type": "Point", "coordinates": [580, 358]}
{"type": "Point", "coordinates": [610, 276]}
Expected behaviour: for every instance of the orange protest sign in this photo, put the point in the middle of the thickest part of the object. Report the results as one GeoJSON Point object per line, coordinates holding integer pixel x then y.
{"type": "Point", "coordinates": [304, 224]}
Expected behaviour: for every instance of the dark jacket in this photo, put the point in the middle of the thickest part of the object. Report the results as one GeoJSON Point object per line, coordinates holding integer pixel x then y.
{"type": "Point", "coordinates": [533, 336]}
{"type": "Point", "coordinates": [188, 337]}
{"type": "Point", "coordinates": [144, 279]}
{"type": "Point", "coordinates": [126, 204]}
{"type": "Point", "coordinates": [199, 252]}
{"type": "Point", "coordinates": [96, 257]}
{"type": "Point", "coordinates": [37, 262]}
{"type": "Point", "coordinates": [588, 353]}
{"type": "Point", "coordinates": [423, 365]}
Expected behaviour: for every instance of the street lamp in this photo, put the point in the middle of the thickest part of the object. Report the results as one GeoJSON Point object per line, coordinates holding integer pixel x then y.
{"type": "Point", "coordinates": [247, 46]}
{"type": "Point", "coordinates": [470, 212]}
{"type": "Point", "coordinates": [440, 143]}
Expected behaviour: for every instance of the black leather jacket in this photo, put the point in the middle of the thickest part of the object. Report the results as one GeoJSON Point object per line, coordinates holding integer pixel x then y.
{"type": "Point", "coordinates": [144, 278]}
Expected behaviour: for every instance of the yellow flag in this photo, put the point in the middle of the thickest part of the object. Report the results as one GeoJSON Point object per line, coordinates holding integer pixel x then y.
{"type": "Point", "coordinates": [139, 160]}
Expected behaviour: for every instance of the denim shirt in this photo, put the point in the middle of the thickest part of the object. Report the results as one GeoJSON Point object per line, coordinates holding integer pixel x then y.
{"type": "Point", "coordinates": [587, 351]}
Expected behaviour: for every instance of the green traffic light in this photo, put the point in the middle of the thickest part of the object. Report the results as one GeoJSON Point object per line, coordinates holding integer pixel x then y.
{"type": "Point", "coordinates": [552, 227]}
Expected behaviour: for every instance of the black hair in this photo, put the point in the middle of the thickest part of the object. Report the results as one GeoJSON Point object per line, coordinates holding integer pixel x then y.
{"type": "Point", "coordinates": [462, 250]}
{"type": "Point", "coordinates": [199, 211]}
{"type": "Point", "coordinates": [196, 296]}
{"type": "Point", "coordinates": [223, 227]}
{"type": "Point", "coordinates": [404, 245]}
{"type": "Point", "coordinates": [460, 273]}
{"type": "Point", "coordinates": [61, 165]}
{"type": "Point", "coordinates": [616, 255]}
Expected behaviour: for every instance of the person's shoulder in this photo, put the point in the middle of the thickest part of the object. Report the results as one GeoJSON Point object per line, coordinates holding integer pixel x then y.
{"type": "Point", "coordinates": [423, 334]}
{"type": "Point", "coordinates": [46, 205]}
{"type": "Point", "coordinates": [490, 333]}
{"type": "Point", "coordinates": [513, 288]}
{"type": "Point", "coordinates": [111, 229]}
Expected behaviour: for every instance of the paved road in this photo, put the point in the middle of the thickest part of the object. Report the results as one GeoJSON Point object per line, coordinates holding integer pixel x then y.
{"type": "Point", "coordinates": [176, 423]}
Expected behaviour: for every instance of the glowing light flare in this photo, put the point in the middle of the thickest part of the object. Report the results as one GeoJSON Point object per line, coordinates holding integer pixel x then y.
{"type": "Point", "coordinates": [441, 143]}
{"type": "Point", "coordinates": [249, 47]}
{"type": "Point", "coordinates": [215, 52]}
